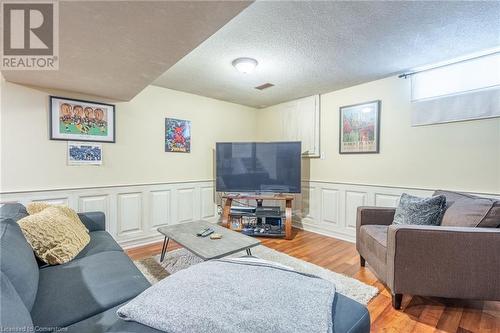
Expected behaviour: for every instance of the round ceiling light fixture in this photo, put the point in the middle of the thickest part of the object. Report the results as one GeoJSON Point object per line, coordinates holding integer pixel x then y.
{"type": "Point", "coordinates": [245, 65]}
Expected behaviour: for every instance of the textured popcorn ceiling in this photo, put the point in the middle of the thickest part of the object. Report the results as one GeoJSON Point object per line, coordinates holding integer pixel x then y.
{"type": "Point", "coordinates": [306, 48]}
{"type": "Point", "coordinates": [115, 49]}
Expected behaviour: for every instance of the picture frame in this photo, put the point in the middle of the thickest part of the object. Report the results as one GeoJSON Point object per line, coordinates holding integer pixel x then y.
{"type": "Point", "coordinates": [236, 223]}
{"type": "Point", "coordinates": [177, 135]}
{"type": "Point", "coordinates": [80, 120]}
{"type": "Point", "coordinates": [84, 153]}
{"type": "Point", "coordinates": [359, 128]}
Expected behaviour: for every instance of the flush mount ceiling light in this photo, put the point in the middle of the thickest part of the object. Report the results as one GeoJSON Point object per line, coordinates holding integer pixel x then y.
{"type": "Point", "coordinates": [245, 65]}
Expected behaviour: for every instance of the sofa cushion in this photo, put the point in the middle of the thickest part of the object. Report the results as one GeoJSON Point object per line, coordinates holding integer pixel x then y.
{"type": "Point", "coordinates": [465, 210]}
{"type": "Point", "coordinates": [18, 262]}
{"type": "Point", "coordinates": [84, 287]}
{"type": "Point", "coordinates": [93, 221]}
{"type": "Point", "coordinates": [14, 316]}
{"type": "Point", "coordinates": [108, 322]}
{"type": "Point", "coordinates": [420, 211]}
{"type": "Point", "coordinates": [375, 239]}
{"type": "Point", "coordinates": [100, 241]}
{"type": "Point", "coordinates": [349, 317]}
{"type": "Point", "coordinates": [55, 237]}
{"type": "Point", "coordinates": [371, 243]}
{"type": "Point", "coordinates": [13, 211]}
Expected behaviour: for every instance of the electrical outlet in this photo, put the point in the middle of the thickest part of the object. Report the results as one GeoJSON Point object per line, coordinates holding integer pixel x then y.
{"type": "Point", "coordinates": [219, 210]}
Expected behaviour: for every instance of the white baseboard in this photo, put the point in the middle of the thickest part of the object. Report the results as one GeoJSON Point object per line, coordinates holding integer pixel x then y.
{"type": "Point", "coordinates": [140, 241]}
{"type": "Point", "coordinates": [325, 232]}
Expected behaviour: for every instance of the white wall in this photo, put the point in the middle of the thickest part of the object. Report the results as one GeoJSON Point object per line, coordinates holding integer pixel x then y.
{"type": "Point", "coordinates": [30, 161]}
{"type": "Point", "coordinates": [463, 156]}
{"type": "Point", "coordinates": [140, 187]}
{"type": "Point", "coordinates": [458, 156]}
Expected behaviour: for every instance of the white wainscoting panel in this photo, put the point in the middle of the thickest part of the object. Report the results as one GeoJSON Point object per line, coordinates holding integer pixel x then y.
{"type": "Point", "coordinates": [134, 212]}
{"type": "Point", "coordinates": [331, 208]}
{"type": "Point", "coordinates": [160, 208]}
{"type": "Point", "coordinates": [56, 201]}
{"type": "Point", "coordinates": [307, 202]}
{"type": "Point", "coordinates": [93, 203]}
{"type": "Point", "coordinates": [185, 204]}
{"type": "Point", "coordinates": [353, 200]}
{"type": "Point", "coordinates": [207, 198]}
{"type": "Point", "coordinates": [129, 214]}
{"type": "Point", "coordinates": [386, 200]}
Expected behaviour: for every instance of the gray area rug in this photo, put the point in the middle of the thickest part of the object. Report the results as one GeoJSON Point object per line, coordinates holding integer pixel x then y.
{"type": "Point", "coordinates": [181, 258]}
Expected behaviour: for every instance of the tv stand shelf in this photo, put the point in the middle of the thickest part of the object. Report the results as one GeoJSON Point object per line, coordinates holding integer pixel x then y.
{"type": "Point", "coordinates": [226, 215]}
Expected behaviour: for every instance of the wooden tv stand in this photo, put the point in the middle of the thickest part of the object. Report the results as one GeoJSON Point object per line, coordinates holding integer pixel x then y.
{"type": "Point", "coordinates": [260, 198]}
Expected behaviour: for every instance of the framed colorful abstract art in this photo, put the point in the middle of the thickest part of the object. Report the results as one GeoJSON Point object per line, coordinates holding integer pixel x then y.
{"type": "Point", "coordinates": [177, 135]}
{"type": "Point", "coordinates": [360, 128]}
{"type": "Point", "coordinates": [77, 120]}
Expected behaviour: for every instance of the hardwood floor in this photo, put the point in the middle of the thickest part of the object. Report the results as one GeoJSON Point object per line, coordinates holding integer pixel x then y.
{"type": "Point", "coordinates": [418, 314]}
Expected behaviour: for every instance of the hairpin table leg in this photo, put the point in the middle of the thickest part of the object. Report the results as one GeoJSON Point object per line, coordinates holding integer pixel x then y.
{"type": "Point", "coordinates": [164, 248]}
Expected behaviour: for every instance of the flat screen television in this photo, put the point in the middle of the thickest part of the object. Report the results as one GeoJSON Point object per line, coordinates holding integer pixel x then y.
{"type": "Point", "coordinates": [258, 167]}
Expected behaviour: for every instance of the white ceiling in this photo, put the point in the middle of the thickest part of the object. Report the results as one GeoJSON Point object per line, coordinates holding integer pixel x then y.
{"type": "Point", "coordinates": [305, 48]}
{"type": "Point", "coordinates": [115, 49]}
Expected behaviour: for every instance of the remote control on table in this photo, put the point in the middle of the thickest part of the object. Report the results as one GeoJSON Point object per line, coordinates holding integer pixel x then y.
{"type": "Point", "coordinates": [207, 232]}
{"type": "Point", "coordinates": [202, 231]}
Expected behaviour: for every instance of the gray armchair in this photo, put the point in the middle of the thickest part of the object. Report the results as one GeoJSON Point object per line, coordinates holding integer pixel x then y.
{"type": "Point", "coordinates": [459, 259]}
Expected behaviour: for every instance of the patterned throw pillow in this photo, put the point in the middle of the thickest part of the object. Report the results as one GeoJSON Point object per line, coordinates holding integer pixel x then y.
{"type": "Point", "coordinates": [37, 207]}
{"type": "Point", "coordinates": [421, 211]}
{"type": "Point", "coordinates": [54, 236]}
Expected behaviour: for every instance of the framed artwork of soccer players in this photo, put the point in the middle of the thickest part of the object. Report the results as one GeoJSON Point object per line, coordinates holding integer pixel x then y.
{"type": "Point", "coordinates": [73, 119]}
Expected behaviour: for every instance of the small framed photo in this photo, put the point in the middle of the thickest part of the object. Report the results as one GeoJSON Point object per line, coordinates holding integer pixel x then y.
{"type": "Point", "coordinates": [84, 153]}
{"type": "Point", "coordinates": [236, 223]}
{"type": "Point", "coordinates": [77, 120]}
{"type": "Point", "coordinates": [360, 128]}
{"type": "Point", "coordinates": [177, 135]}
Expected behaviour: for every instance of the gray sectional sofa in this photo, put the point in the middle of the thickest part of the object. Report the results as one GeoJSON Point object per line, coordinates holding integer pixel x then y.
{"type": "Point", "coordinates": [84, 294]}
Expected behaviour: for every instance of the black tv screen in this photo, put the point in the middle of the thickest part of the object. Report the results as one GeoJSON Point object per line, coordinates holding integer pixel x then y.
{"type": "Point", "coordinates": [258, 167]}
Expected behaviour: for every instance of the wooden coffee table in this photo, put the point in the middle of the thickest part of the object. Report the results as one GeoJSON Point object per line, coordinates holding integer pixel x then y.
{"type": "Point", "coordinates": [204, 247]}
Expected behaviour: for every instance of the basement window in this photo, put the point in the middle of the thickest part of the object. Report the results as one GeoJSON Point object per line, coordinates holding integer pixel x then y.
{"type": "Point", "coordinates": [460, 91]}
{"type": "Point", "coordinates": [458, 78]}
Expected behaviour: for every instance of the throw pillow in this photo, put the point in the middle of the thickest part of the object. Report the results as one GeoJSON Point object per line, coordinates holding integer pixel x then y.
{"type": "Point", "coordinates": [37, 207]}
{"type": "Point", "coordinates": [55, 237]}
{"type": "Point", "coordinates": [421, 211]}
{"type": "Point", "coordinates": [465, 210]}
